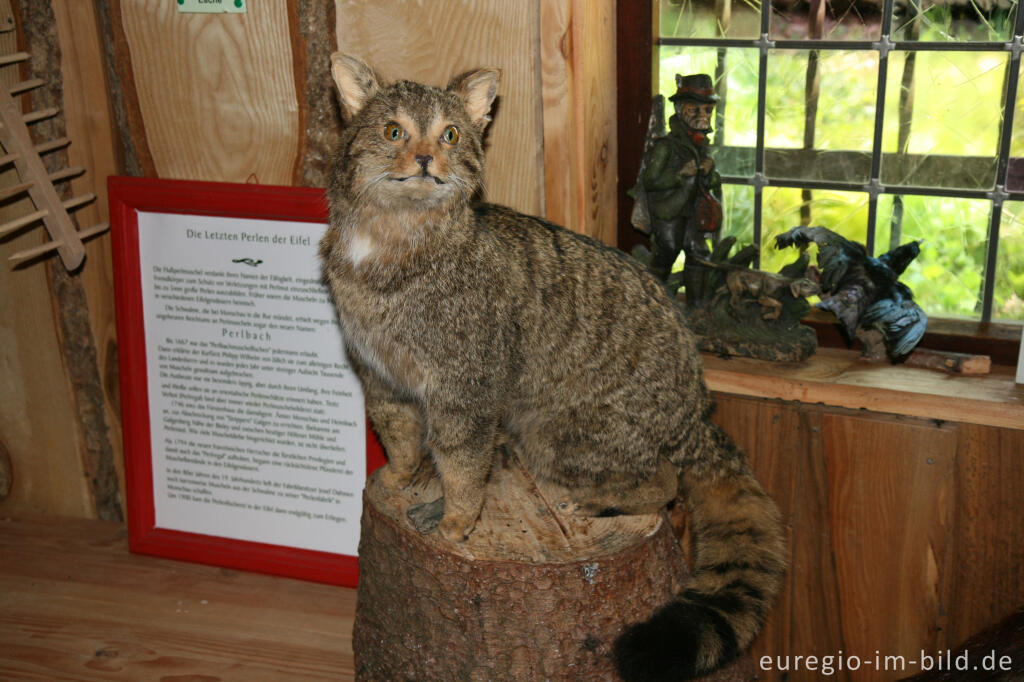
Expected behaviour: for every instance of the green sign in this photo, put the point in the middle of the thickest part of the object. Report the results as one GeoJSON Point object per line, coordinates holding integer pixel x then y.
{"type": "Point", "coordinates": [212, 6]}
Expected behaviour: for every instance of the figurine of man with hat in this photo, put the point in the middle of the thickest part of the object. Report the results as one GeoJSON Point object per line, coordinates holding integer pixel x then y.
{"type": "Point", "coordinates": [679, 181]}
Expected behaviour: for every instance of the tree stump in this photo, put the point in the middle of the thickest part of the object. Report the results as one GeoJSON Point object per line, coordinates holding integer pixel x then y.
{"type": "Point", "coordinates": [535, 593]}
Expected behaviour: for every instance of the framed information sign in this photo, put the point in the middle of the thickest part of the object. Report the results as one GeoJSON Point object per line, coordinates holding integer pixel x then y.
{"type": "Point", "coordinates": [245, 433]}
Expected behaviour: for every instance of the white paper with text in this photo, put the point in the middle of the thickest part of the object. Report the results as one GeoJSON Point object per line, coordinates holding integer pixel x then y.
{"type": "Point", "coordinates": [257, 422]}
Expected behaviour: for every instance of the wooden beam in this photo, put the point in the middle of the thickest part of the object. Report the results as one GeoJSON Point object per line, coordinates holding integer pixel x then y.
{"type": "Point", "coordinates": [562, 169]}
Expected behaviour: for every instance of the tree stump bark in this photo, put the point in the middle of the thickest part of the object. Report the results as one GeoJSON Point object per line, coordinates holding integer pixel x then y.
{"type": "Point", "coordinates": [535, 593]}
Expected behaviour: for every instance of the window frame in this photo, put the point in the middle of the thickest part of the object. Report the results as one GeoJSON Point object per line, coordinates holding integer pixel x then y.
{"type": "Point", "coordinates": [637, 40]}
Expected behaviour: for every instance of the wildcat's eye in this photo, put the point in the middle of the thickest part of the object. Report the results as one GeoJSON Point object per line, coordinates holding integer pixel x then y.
{"type": "Point", "coordinates": [450, 135]}
{"type": "Point", "coordinates": [393, 132]}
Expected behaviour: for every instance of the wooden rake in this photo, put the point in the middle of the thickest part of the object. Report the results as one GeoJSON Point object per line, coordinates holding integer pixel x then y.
{"type": "Point", "coordinates": [36, 181]}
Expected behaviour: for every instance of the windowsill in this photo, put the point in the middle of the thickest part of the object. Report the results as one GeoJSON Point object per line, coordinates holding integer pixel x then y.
{"type": "Point", "coordinates": [998, 340]}
{"type": "Point", "coordinates": [840, 378]}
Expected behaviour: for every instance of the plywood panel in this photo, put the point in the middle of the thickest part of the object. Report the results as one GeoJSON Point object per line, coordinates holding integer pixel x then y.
{"type": "Point", "coordinates": [433, 41]}
{"type": "Point", "coordinates": [890, 511]}
{"type": "Point", "coordinates": [216, 92]}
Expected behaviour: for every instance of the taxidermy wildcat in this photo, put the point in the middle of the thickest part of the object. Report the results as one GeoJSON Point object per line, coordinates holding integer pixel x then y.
{"type": "Point", "coordinates": [471, 325]}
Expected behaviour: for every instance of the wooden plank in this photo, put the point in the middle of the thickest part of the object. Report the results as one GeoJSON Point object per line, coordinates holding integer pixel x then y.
{"type": "Point", "coordinates": [901, 529]}
{"type": "Point", "coordinates": [783, 444]}
{"type": "Point", "coordinates": [988, 578]}
{"type": "Point", "coordinates": [36, 26]}
{"type": "Point", "coordinates": [441, 39]}
{"type": "Point", "coordinates": [577, 61]}
{"type": "Point", "coordinates": [594, 42]}
{"type": "Point", "coordinates": [817, 610]}
{"type": "Point", "coordinates": [890, 511]}
{"type": "Point", "coordinates": [840, 378]}
{"type": "Point", "coordinates": [90, 124]}
{"type": "Point", "coordinates": [74, 604]}
{"type": "Point", "coordinates": [216, 92]}
{"type": "Point", "coordinates": [37, 414]}
{"type": "Point", "coordinates": [562, 186]}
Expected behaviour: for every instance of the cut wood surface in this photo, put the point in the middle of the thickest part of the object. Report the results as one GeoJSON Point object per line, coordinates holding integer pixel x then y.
{"type": "Point", "coordinates": [75, 605]}
{"type": "Point", "coordinates": [535, 593]}
{"type": "Point", "coordinates": [521, 521]}
{"type": "Point", "coordinates": [841, 378]}
{"type": "Point", "coordinates": [987, 574]}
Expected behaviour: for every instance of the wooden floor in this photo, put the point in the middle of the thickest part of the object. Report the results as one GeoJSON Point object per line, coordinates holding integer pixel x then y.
{"type": "Point", "coordinates": [75, 605]}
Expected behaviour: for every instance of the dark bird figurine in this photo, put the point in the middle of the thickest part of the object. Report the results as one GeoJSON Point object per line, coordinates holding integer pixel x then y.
{"type": "Point", "coordinates": [862, 291]}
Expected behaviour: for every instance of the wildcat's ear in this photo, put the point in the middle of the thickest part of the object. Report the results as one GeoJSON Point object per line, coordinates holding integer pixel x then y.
{"type": "Point", "coordinates": [478, 90]}
{"type": "Point", "coordinates": [356, 82]}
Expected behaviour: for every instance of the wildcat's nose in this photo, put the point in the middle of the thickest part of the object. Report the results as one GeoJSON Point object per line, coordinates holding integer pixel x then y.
{"type": "Point", "coordinates": [424, 160]}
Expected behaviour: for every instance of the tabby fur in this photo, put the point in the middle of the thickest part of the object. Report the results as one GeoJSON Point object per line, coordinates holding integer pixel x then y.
{"type": "Point", "coordinates": [470, 325]}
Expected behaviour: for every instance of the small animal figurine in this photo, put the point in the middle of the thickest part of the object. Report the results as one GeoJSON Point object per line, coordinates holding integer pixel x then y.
{"type": "Point", "coordinates": [470, 325]}
{"type": "Point", "coordinates": [765, 289]}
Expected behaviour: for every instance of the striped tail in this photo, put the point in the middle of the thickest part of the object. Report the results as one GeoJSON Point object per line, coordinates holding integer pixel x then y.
{"type": "Point", "coordinates": [739, 560]}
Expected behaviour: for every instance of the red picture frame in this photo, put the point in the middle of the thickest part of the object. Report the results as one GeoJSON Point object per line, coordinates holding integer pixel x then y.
{"type": "Point", "coordinates": [127, 197]}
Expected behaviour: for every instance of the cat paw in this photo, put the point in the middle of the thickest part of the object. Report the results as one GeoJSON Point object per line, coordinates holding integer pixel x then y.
{"type": "Point", "coordinates": [454, 530]}
{"type": "Point", "coordinates": [427, 516]}
{"type": "Point", "coordinates": [394, 480]}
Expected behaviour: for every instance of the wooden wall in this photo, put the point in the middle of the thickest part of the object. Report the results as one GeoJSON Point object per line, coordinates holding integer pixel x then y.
{"type": "Point", "coordinates": [904, 534]}
{"type": "Point", "coordinates": [147, 91]}
{"type": "Point", "coordinates": [58, 421]}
